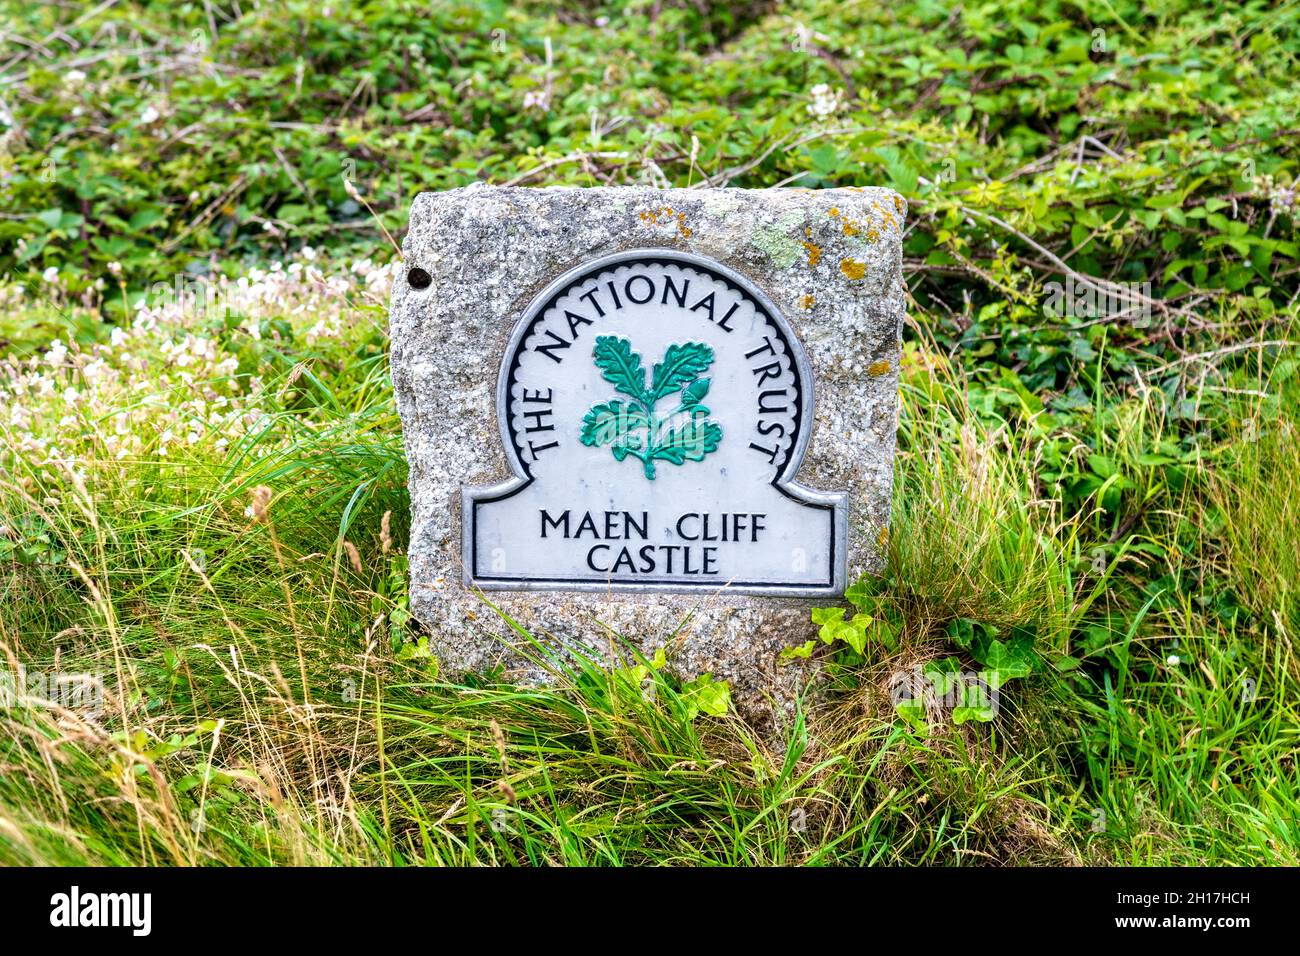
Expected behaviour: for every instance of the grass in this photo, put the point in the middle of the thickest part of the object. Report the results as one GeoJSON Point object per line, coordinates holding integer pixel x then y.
{"type": "Point", "coordinates": [268, 701]}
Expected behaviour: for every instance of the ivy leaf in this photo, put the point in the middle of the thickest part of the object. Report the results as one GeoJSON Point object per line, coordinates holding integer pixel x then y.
{"type": "Point", "coordinates": [681, 364]}
{"type": "Point", "coordinates": [853, 632]}
{"type": "Point", "coordinates": [1011, 658]}
{"type": "Point", "coordinates": [799, 652]}
{"type": "Point", "coordinates": [694, 393]}
{"type": "Point", "coordinates": [975, 704]}
{"type": "Point", "coordinates": [828, 618]}
{"type": "Point", "coordinates": [706, 695]}
{"type": "Point", "coordinates": [913, 712]}
{"type": "Point", "coordinates": [964, 713]}
{"type": "Point", "coordinates": [860, 595]}
{"type": "Point", "coordinates": [622, 367]}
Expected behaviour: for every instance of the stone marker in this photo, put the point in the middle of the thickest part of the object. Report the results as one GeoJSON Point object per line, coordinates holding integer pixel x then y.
{"type": "Point", "coordinates": [666, 415]}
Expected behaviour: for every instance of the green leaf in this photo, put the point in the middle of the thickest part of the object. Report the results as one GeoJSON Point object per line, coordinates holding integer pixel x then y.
{"type": "Point", "coordinates": [828, 618]}
{"type": "Point", "coordinates": [983, 714]}
{"type": "Point", "coordinates": [681, 364]}
{"type": "Point", "coordinates": [615, 423]}
{"type": "Point", "coordinates": [854, 632]}
{"type": "Point", "coordinates": [860, 594]}
{"type": "Point", "coordinates": [944, 674]}
{"type": "Point", "coordinates": [1011, 658]}
{"type": "Point", "coordinates": [1102, 465]}
{"type": "Point", "coordinates": [912, 711]}
{"type": "Point", "coordinates": [50, 218]}
{"type": "Point", "coordinates": [802, 651]}
{"type": "Point", "coordinates": [691, 442]}
{"type": "Point", "coordinates": [706, 695]}
{"type": "Point", "coordinates": [961, 632]}
{"type": "Point", "coordinates": [621, 367]}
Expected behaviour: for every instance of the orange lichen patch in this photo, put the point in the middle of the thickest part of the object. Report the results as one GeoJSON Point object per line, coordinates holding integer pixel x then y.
{"type": "Point", "coordinates": [878, 368]}
{"type": "Point", "coordinates": [850, 227]}
{"type": "Point", "coordinates": [882, 539]}
{"type": "Point", "coordinates": [853, 269]}
{"type": "Point", "coordinates": [899, 203]}
{"type": "Point", "coordinates": [814, 251]}
{"type": "Point", "coordinates": [808, 301]}
{"type": "Point", "coordinates": [666, 215]}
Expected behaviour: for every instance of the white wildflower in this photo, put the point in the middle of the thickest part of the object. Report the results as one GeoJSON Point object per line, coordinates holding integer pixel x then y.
{"type": "Point", "coordinates": [825, 101]}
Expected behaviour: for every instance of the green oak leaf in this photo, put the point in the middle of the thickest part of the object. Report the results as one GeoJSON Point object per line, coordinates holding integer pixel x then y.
{"type": "Point", "coordinates": [612, 422]}
{"type": "Point", "coordinates": [681, 365]}
{"type": "Point", "coordinates": [622, 367]}
{"type": "Point", "coordinates": [691, 442]}
{"type": "Point", "coordinates": [632, 429]}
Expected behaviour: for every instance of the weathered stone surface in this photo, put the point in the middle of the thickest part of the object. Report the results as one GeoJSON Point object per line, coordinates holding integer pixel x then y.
{"type": "Point", "coordinates": [828, 260]}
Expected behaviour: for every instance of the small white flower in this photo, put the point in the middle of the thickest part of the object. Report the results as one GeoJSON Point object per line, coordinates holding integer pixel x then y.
{"type": "Point", "coordinates": [117, 337]}
{"type": "Point", "coordinates": [73, 79]}
{"type": "Point", "coordinates": [825, 101]}
{"type": "Point", "coordinates": [1173, 660]}
{"type": "Point", "coordinates": [51, 275]}
{"type": "Point", "coordinates": [149, 116]}
{"type": "Point", "coordinates": [115, 267]}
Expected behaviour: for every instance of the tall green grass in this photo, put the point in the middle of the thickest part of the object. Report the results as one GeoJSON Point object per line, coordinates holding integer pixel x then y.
{"type": "Point", "coordinates": [264, 704]}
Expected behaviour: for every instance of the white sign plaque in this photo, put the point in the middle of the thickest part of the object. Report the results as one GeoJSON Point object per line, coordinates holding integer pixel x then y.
{"type": "Point", "coordinates": [655, 407]}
